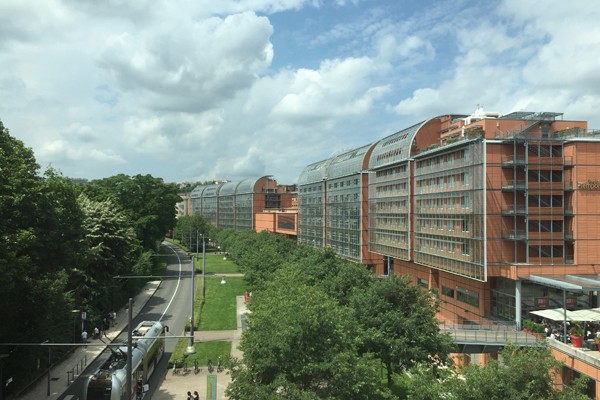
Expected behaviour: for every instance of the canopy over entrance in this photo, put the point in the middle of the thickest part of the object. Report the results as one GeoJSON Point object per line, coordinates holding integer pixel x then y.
{"type": "Point", "coordinates": [570, 282]}
{"type": "Point", "coordinates": [554, 314]}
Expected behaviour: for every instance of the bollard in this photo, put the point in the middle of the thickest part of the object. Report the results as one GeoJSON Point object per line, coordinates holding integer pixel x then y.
{"type": "Point", "coordinates": [68, 377]}
{"type": "Point", "coordinates": [85, 358]}
{"type": "Point", "coordinates": [77, 368]}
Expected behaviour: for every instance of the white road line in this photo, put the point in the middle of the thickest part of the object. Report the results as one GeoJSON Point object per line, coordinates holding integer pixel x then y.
{"type": "Point", "coordinates": [176, 288]}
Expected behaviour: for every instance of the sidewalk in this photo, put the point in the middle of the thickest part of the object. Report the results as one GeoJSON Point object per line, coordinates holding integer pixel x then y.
{"type": "Point", "coordinates": [175, 387]}
{"type": "Point", "coordinates": [82, 357]}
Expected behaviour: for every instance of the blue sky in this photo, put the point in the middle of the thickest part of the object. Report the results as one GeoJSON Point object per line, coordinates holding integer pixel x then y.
{"type": "Point", "coordinates": [194, 90]}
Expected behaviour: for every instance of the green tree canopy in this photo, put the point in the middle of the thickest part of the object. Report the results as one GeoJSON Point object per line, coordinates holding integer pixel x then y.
{"type": "Point", "coordinates": [301, 344]}
{"type": "Point", "coordinates": [148, 202]}
{"type": "Point", "coordinates": [399, 325]}
{"type": "Point", "coordinates": [520, 373]}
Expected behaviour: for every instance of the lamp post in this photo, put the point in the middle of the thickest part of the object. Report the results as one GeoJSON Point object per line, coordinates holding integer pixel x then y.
{"type": "Point", "coordinates": [129, 346]}
{"type": "Point", "coordinates": [2, 357]}
{"type": "Point", "coordinates": [203, 267]}
{"type": "Point", "coordinates": [75, 312]}
{"type": "Point", "coordinates": [190, 349]}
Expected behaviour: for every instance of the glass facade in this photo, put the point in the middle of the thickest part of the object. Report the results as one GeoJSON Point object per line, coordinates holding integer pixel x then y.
{"type": "Point", "coordinates": [449, 206]}
{"type": "Point", "coordinates": [330, 203]}
{"type": "Point", "coordinates": [343, 225]}
{"type": "Point", "coordinates": [389, 194]}
{"type": "Point", "coordinates": [244, 204]}
{"type": "Point", "coordinates": [226, 205]}
{"type": "Point", "coordinates": [311, 204]}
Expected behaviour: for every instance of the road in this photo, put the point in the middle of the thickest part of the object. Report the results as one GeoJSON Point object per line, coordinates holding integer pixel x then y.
{"type": "Point", "coordinates": [170, 304]}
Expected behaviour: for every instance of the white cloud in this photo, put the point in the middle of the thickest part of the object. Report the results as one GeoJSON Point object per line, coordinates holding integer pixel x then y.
{"type": "Point", "coordinates": [191, 67]}
{"type": "Point", "coordinates": [194, 88]}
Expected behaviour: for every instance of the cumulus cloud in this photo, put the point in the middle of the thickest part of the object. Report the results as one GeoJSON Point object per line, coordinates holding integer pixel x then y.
{"type": "Point", "coordinates": [204, 89]}
{"type": "Point", "coordinates": [517, 58]}
{"type": "Point", "coordinates": [194, 67]}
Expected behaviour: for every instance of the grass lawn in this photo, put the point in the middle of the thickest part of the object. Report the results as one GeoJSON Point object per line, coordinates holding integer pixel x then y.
{"type": "Point", "coordinates": [204, 351]}
{"type": "Point", "coordinates": [219, 309]}
{"type": "Point", "coordinates": [215, 264]}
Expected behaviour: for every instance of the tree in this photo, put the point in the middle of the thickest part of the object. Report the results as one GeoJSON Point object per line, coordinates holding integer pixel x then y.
{"type": "Point", "coordinates": [300, 344]}
{"type": "Point", "coordinates": [520, 373]}
{"type": "Point", "coordinates": [399, 326]}
{"type": "Point", "coordinates": [112, 249]}
{"type": "Point", "coordinates": [148, 202]}
{"type": "Point", "coordinates": [260, 255]}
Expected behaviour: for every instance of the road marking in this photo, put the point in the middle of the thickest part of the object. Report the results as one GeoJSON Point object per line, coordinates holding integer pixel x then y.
{"type": "Point", "coordinates": [176, 288]}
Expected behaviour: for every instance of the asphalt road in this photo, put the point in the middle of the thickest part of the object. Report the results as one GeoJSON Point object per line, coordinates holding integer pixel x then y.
{"type": "Point", "coordinates": [171, 304]}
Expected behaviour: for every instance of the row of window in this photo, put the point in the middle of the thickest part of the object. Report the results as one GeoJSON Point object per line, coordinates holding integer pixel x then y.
{"type": "Point", "coordinates": [464, 295]}
{"type": "Point", "coordinates": [448, 225]}
{"type": "Point", "coordinates": [442, 182]}
{"type": "Point", "coordinates": [435, 163]}
{"type": "Point", "coordinates": [448, 203]}
{"type": "Point", "coordinates": [382, 190]}
{"type": "Point", "coordinates": [396, 171]}
{"type": "Point", "coordinates": [340, 184]}
{"type": "Point", "coordinates": [443, 246]}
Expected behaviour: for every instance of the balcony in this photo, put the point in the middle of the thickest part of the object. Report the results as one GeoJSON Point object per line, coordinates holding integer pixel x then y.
{"type": "Point", "coordinates": [511, 184]}
{"type": "Point", "coordinates": [512, 160]}
{"type": "Point", "coordinates": [514, 210]}
{"type": "Point", "coordinates": [514, 235]}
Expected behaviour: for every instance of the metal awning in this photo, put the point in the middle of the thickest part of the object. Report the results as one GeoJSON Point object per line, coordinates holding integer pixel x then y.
{"type": "Point", "coordinates": [590, 315]}
{"type": "Point", "coordinates": [569, 282]}
{"type": "Point", "coordinates": [554, 314]}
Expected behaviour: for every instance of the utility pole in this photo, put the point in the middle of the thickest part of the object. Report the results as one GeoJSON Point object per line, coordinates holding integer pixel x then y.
{"type": "Point", "coordinates": [190, 349]}
{"type": "Point", "coordinates": [203, 267]}
{"type": "Point", "coordinates": [129, 347]}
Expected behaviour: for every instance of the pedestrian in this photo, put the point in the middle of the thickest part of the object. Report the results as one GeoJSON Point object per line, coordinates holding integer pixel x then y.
{"type": "Point", "coordinates": [190, 396]}
{"type": "Point", "coordinates": [84, 336]}
{"type": "Point", "coordinates": [196, 395]}
{"type": "Point", "coordinates": [113, 317]}
{"type": "Point", "coordinates": [96, 333]}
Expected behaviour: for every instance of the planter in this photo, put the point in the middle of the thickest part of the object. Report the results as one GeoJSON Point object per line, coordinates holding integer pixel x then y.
{"type": "Point", "coordinates": [577, 341]}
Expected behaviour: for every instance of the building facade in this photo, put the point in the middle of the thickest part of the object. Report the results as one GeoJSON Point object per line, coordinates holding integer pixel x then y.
{"type": "Point", "coordinates": [253, 203]}
{"type": "Point", "coordinates": [499, 213]}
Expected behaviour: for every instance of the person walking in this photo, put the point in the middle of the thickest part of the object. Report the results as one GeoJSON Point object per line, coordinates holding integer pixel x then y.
{"type": "Point", "coordinates": [84, 337]}
{"type": "Point", "coordinates": [196, 395]}
{"type": "Point", "coordinates": [189, 394]}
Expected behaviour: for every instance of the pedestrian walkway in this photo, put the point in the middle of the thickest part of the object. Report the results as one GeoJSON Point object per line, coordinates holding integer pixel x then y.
{"type": "Point", "coordinates": [175, 387]}
{"type": "Point", "coordinates": [63, 373]}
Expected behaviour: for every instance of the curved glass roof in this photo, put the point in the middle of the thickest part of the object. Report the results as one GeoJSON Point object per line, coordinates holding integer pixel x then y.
{"type": "Point", "coordinates": [227, 189]}
{"type": "Point", "coordinates": [197, 192]}
{"type": "Point", "coordinates": [314, 172]}
{"type": "Point", "coordinates": [246, 185]}
{"type": "Point", "coordinates": [394, 148]}
{"type": "Point", "coordinates": [211, 190]}
{"type": "Point", "coordinates": [348, 163]}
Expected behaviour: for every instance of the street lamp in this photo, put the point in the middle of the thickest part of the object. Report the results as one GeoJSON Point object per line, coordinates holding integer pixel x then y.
{"type": "Point", "coordinates": [75, 312]}
{"type": "Point", "coordinates": [2, 357]}
{"type": "Point", "coordinates": [191, 349]}
{"type": "Point", "coordinates": [204, 267]}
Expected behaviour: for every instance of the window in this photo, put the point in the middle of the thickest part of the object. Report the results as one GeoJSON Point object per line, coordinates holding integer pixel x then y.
{"type": "Point", "coordinates": [468, 297]}
{"type": "Point", "coordinates": [465, 225]}
{"type": "Point", "coordinates": [423, 283]}
{"type": "Point", "coordinates": [448, 292]}
{"type": "Point", "coordinates": [466, 248]}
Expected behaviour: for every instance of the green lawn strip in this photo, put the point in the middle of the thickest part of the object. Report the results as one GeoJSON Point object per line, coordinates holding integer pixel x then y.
{"type": "Point", "coordinates": [204, 351]}
{"type": "Point", "coordinates": [219, 311]}
{"type": "Point", "coordinates": [216, 264]}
